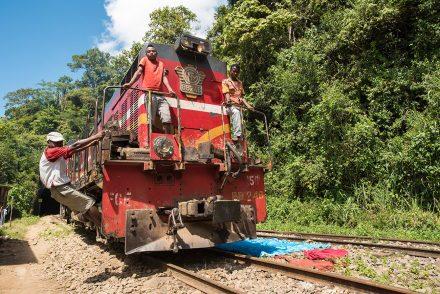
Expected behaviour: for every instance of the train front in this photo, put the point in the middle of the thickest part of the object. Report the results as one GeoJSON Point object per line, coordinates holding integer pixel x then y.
{"type": "Point", "coordinates": [193, 188]}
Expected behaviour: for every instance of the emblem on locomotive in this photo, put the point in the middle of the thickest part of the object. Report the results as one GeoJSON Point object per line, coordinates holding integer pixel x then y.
{"type": "Point", "coordinates": [190, 80]}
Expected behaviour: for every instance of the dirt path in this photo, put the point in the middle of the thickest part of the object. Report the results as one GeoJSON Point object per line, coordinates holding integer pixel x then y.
{"type": "Point", "coordinates": [21, 268]}
{"type": "Point", "coordinates": [55, 259]}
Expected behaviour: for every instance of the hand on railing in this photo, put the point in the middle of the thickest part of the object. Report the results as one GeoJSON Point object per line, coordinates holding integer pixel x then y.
{"type": "Point", "coordinates": [250, 107]}
{"type": "Point", "coordinates": [126, 86]}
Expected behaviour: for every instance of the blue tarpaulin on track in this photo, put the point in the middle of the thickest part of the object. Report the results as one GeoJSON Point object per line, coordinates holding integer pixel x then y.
{"type": "Point", "coordinates": [260, 247]}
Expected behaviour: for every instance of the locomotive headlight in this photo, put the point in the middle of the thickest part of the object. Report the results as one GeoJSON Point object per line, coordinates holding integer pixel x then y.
{"type": "Point", "coordinates": [193, 44]}
{"type": "Point", "coordinates": [163, 147]}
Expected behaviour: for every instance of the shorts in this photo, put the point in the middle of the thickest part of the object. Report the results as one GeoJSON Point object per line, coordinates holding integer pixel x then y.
{"type": "Point", "coordinates": [73, 199]}
{"type": "Point", "coordinates": [160, 106]}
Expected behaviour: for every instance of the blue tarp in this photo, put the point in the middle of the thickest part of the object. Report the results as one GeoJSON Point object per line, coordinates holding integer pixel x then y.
{"type": "Point", "coordinates": [260, 247]}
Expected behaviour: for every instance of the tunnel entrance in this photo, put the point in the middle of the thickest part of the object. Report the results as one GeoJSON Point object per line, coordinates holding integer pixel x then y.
{"type": "Point", "coordinates": [45, 204]}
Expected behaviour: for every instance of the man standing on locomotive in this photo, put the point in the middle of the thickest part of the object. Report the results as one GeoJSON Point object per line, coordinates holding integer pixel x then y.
{"type": "Point", "coordinates": [153, 76]}
{"type": "Point", "coordinates": [233, 91]}
{"type": "Point", "coordinates": [53, 174]}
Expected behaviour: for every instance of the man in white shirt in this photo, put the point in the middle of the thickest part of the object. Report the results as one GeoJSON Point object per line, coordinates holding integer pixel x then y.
{"type": "Point", "coordinates": [53, 174]}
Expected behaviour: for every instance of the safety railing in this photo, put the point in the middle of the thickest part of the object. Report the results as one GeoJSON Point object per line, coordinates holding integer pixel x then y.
{"type": "Point", "coordinates": [266, 126]}
{"type": "Point", "coordinates": [149, 96]}
{"type": "Point", "coordinates": [150, 117]}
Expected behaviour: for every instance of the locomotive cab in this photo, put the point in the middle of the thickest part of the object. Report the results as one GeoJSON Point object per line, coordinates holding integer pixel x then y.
{"type": "Point", "coordinates": [192, 188]}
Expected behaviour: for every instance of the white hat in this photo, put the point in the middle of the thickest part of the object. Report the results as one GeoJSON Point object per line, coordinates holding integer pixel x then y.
{"type": "Point", "coordinates": [54, 137]}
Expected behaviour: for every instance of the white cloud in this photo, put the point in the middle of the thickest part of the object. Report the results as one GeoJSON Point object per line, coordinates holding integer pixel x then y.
{"type": "Point", "coordinates": [128, 20]}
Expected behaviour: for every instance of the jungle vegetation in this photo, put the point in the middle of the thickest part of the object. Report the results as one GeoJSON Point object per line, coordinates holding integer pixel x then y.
{"type": "Point", "coordinates": [351, 88]}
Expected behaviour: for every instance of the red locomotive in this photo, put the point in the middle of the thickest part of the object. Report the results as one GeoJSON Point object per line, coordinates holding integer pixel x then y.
{"type": "Point", "coordinates": [189, 189]}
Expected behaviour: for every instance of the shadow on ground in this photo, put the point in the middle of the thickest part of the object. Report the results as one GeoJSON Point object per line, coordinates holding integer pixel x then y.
{"type": "Point", "coordinates": [15, 252]}
{"type": "Point", "coordinates": [140, 265]}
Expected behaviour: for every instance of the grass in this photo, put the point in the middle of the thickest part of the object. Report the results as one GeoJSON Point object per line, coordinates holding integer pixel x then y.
{"type": "Point", "coordinates": [60, 230]}
{"type": "Point", "coordinates": [363, 269]}
{"type": "Point", "coordinates": [349, 218]}
{"type": "Point", "coordinates": [18, 227]}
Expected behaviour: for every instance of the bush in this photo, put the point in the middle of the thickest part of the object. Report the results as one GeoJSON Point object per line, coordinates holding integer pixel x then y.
{"type": "Point", "coordinates": [347, 217]}
{"type": "Point", "coordinates": [21, 197]}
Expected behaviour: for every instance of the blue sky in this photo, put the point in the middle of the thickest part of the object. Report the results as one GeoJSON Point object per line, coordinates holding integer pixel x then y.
{"type": "Point", "coordinates": [38, 38]}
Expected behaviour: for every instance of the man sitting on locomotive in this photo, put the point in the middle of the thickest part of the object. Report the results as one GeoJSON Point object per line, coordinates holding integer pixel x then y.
{"type": "Point", "coordinates": [233, 91]}
{"type": "Point", "coordinates": [153, 77]}
{"type": "Point", "coordinates": [53, 174]}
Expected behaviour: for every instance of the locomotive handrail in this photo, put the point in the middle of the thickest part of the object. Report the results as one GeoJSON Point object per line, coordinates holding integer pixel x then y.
{"type": "Point", "coordinates": [179, 131]}
{"type": "Point", "coordinates": [128, 88]}
{"type": "Point", "coordinates": [266, 125]}
{"type": "Point", "coordinates": [232, 149]}
{"type": "Point", "coordinates": [224, 132]}
{"type": "Point", "coordinates": [149, 97]}
{"type": "Point", "coordinates": [149, 110]}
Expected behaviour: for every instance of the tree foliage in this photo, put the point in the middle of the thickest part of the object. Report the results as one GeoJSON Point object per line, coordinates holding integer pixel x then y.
{"type": "Point", "coordinates": [167, 23]}
{"type": "Point", "coordinates": [351, 90]}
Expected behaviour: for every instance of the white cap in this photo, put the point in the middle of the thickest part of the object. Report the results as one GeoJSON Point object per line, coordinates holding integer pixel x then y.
{"type": "Point", "coordinates": [54, 137]}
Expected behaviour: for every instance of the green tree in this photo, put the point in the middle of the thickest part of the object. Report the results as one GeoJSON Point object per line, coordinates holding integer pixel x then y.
{"type": "Point", "coordinates": [27, 101]}
{"type": "Point", "coordinates": [8, 156]}
{"type": "Point", "coordinates": [167, 23]}
{"type": "Point", "coordinates": [60, 88]}
{"type": "Point", "coordinates": [251, 33]}
{"type": "Point", "coordinates": [350, 89]}
{"type": "Point", "coordinates": [95, 65]}
{"type": "Point", "coordinates": [121, 63]}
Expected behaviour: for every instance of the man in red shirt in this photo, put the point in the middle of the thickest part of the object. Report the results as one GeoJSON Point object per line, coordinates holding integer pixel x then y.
{"type": "Point", "coordinates": [153, 76]}
{"type": "Point", "coordinates": [53, 174]}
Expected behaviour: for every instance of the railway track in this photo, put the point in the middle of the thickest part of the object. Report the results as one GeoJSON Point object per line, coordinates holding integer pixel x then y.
{"type": "Point", "coordinates": [193, 279]}
{"type": "Point", "coordinates": [359, 241]}
{"type": "Point", "coordinates": [206, 285]}
{"type": "Point", "coordinates": [311, 275]}
{"type": "Point", "coordinates": [346, 237]}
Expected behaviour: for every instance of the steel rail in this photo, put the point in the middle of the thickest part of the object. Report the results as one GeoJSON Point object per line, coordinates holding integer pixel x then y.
{"type": "Point", "coordinates": [413, 251]}
{"type": "Point", "coordinates": [312, 275]}
{"type": "Point", "coordinates": [193, 279]}
{"type": "Point", "coordinates": [344, 237]}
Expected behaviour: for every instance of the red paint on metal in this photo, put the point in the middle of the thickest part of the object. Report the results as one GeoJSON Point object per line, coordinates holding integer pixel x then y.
{"type": "Point", "coordinates": [158, 184]}
{"type": "Point", "coordinates": [131, 188]}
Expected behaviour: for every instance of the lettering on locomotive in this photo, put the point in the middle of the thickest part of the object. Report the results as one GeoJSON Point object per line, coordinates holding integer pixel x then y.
{"type": "Point", "coordinates": [254, 180]}
{"type": "Point", "coordinates": [248, 195]}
